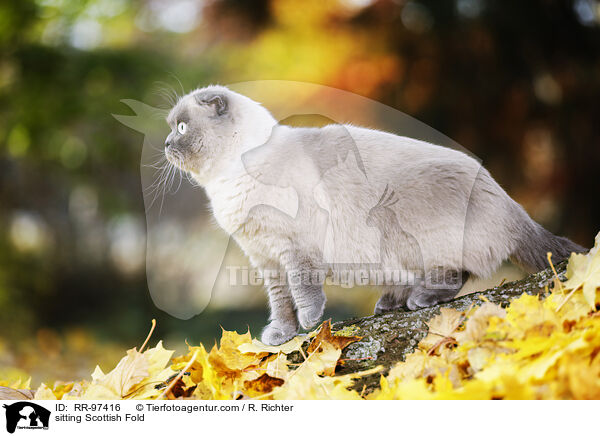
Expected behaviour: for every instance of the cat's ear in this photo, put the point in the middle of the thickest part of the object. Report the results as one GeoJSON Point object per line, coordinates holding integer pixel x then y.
{"type": "Point", "coordinates": [219, 101]}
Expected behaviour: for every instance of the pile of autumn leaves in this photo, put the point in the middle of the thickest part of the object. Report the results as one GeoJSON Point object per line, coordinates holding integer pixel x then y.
{"type": "Point", "coordinates": [536, 348]}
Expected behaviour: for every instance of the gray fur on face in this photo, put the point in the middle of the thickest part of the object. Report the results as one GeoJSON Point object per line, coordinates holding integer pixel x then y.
{"type": "Point", "coordinates": [306, 200]}
{"type": "Point", "coordinates": [208, 121]}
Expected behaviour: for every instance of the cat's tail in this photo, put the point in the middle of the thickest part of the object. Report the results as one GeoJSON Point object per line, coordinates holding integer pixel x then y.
{"type": "Point", "coordinates": [534, 244]}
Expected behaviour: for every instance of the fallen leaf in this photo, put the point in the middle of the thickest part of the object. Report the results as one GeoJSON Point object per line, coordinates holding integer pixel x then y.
{"type": "Point", "coordinates": [257, 347]}
{"type": "Point", "coordinates": [583, 271]}
{"type": "Point", "coordinates": [441, 326]}
{"type": "Point", "coordinates": [134, 376]}
{"type": "Point", "coordinates": [44, 393]}
{"type": "Point", "coordinates": [261, 385]}
{"type": "Point", "coordinates": [326, 337]}
{"type": "Point", "coordinates": [7, 393]}
{"type": "Point", "coordinates": [478, 322]}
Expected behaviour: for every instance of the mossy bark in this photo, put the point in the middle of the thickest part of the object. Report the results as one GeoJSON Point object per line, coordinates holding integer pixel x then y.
{"type": "Point", "coordinates": [389, 337]}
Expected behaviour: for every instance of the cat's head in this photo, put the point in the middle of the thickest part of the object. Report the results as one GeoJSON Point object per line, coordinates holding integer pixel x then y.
{"type": "Point", "coordinates": [211, 126]}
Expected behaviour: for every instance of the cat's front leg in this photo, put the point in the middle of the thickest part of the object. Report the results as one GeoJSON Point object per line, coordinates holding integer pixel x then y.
{"type": "Point", "coordinates": [284, 324]}
{"type": "Point", "coordinates": [306, 285]}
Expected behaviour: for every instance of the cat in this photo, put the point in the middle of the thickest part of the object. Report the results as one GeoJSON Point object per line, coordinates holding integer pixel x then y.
{"type": "Point", "coordinates": [305, 202]}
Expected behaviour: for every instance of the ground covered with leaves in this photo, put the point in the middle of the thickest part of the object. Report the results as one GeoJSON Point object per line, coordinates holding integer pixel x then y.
{"type": "Point", "coordinates": [539, 347]}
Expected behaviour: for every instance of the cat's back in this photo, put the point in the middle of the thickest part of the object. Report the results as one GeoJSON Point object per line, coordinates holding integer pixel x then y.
{"type": "Point", "coordinates": [377, 144]}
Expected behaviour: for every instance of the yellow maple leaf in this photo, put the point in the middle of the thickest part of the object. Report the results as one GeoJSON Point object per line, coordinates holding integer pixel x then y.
{"type": "Point", "coordinates": [133, 377]}
{"type": "Point", "coordinates": [527, 315]}
{"type": "Point", "coordinates": [228, 360]}
{"type": "Point", "coordinates": [478, 321]}
{"type": "Point", "coordinates": [413, 367]}
{"type": "Point", "coordinates": [56, 393]}
{"type": "Point", "coordinates": [446, 323]}
{"type": "Point", "coordinates": [132, 369]}
{"type": "Point", "coordinates": [583, 271]}
{"type": "Point", "coordinates": [278, 366]}
{"type": "Point", "coordinates": [305, 383]}
{"type": "Point", "coordinates": [44, 393]}
{"type": "Point", "coordinates": [210, 384]}
{"type": "Point", "coordinates": [196, 370]}
{"type": "Point", "coordinates": [76, 391]}
{"type": "Point", "coordinates": [569, 309]}
{"type": "Point", "coordinates": [441, 327]}
{"type": "Point", "coordinates": [422, 365]}
{"type": "Point", "coordinates": [158, 370]}
{"type": "Point", "coordinates": [257, 347]}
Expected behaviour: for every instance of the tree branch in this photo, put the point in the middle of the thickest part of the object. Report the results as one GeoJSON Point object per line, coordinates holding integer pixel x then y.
{"type": "Point", "coordinates": [389, 337]}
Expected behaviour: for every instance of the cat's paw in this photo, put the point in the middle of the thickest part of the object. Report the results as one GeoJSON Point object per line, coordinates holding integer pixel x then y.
{"type": "Point", "coordinates": [387, 303]}
{"type": "Point", "coordinates": [384, 308]}
{"type": "Point", "coordinates": [420, 300]}
{"type": "Point", "coordinates": [310, 317]}
{"type": "Point", "coordinates": [277, 333]}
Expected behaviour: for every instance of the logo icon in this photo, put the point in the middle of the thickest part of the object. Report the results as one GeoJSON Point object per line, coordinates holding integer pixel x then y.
{"type": "Point", "coordinates": [26, 415]}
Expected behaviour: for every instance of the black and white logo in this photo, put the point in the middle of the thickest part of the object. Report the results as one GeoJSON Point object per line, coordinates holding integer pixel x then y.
{"type": "Point", "coordinates": [26, 415]}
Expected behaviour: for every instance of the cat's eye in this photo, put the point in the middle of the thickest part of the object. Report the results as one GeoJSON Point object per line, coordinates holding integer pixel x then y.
{"type": "Point", "coordinates": [181, 127]}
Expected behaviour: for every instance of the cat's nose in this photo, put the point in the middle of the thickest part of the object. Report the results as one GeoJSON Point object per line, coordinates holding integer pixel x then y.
{"type": "Point", "coordinates": [169, 140]}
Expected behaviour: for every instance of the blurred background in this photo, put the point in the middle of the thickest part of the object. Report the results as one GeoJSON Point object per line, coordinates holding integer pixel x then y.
{"type": "Point", "coordinates": [516, 83]}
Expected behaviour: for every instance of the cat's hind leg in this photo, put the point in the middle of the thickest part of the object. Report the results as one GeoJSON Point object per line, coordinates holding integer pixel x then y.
{"type": "Point", "coordinates": [438, 288]}
{"type": "Point", "coordinates": [393, 298]}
